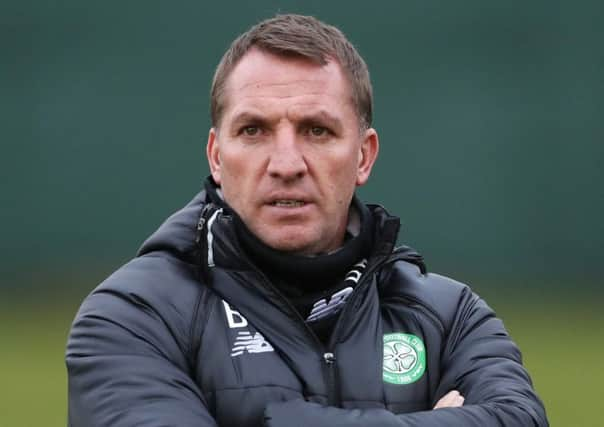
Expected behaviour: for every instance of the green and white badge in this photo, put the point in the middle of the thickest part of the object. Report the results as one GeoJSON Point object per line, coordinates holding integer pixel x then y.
{"type": "Point", "coordinates": [404, 358]}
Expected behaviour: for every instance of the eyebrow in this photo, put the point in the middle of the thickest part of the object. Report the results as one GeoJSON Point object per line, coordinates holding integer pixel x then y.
{"type": "Point", "coordinates": [247, 117]}
{"type": "Point", "coordinates": [318, 117]}
{"type": "Point", "coordinates": [323, 117]}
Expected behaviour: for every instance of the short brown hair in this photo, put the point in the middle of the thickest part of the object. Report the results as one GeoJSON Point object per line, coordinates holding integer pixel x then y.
{"type": "Point", "coordinates": [298, 36]}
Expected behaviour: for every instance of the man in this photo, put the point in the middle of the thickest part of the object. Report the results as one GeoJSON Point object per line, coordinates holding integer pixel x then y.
{"type": "Point", "coordinates": [276, 297]}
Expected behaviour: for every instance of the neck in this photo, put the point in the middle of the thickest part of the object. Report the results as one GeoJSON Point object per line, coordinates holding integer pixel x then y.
{"type": "Point", "coordinates": [311, 272]}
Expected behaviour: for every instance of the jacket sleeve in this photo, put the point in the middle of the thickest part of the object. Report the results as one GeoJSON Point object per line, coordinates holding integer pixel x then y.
{"type": "Point", "coordinates": [128, 365]}
{"type": "Point", "coordinates": [479, 360]}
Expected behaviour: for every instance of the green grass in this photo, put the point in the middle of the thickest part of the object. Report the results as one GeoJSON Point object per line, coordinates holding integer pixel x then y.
{"type": "Point", "coordinates": [34, 384]}
{"type": "Point", "coordinates": [562, 346]}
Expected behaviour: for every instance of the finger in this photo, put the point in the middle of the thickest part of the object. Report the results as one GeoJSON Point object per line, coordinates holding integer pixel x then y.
{"type": "Point", "coordinates": [446, 400]}
{"type": "Point", "coordinates": [452, 399]}
{"type": "Point", "coordinates": [455, 401]}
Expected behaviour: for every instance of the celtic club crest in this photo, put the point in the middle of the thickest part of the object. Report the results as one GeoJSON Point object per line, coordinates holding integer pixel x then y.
{"type": "Point", "coordinates": [404, 358]}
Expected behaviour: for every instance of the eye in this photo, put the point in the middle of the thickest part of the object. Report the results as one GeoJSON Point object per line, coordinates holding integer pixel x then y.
{"type": "Point", "coordinates": [250, 130]}
{"type": "Point", "coordinates": [318, 131]}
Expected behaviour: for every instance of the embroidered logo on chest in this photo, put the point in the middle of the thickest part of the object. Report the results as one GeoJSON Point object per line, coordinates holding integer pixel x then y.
{"type": "Point", "coordinates": [404, 358]}
{"type": "Point", "coordinates": [246, 341]}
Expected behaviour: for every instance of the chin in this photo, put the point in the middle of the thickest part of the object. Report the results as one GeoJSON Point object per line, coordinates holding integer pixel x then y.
{"type": "Point", "coordinates": [300, 245]}
{"type": "Point", "coordinates": [300, 248]}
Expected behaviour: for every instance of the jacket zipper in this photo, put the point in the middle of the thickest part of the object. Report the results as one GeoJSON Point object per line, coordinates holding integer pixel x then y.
{"type": "Point", "coordinates": [328, 358]}
{"type": "Point", "coordinates": [331, 368]}
{"type": "Point", "coordinates": [331, 377]}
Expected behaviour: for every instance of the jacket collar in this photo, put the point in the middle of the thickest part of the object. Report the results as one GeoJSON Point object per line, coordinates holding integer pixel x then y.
{"type": "Point", "coordinates": [186, 233]}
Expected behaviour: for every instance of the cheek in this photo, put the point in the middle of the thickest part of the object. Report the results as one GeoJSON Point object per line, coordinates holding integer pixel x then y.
{"type": "Point", "coordinates": [341, 183]}
{"type": "Point", "coordinates": [238, 184]}
{"type": "Point", "coordinates": [241, 163]}
{"type": "Point", "coordinates": [346, 171]}
{"type": "Point", "coordinates": [232, 167]}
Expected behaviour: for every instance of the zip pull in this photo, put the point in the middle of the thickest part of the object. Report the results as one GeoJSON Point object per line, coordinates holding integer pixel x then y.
{"type": "Point", "coordinates": [331, 379]}
{"type": "Point", "coordinates": [329, 358]}
{"type": "Point", "coordinates": [202, 222]}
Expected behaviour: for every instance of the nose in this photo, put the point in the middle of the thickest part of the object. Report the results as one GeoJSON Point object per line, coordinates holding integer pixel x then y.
{"type": "Point", "coordinates": [286, 160]}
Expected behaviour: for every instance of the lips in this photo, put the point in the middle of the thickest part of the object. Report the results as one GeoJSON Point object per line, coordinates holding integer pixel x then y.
{"type": "Point", "coordinates": [288, 199]}
{"type": "Point", "coordinates": [288, 203]}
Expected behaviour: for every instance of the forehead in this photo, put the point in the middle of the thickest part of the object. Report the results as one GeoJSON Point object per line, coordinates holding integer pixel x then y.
{"type": "Point", "coordinates": [264, 80]}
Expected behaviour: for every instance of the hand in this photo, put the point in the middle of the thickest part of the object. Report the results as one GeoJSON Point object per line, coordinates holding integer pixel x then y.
{"type": "Point", "coordinates": [450, 400]}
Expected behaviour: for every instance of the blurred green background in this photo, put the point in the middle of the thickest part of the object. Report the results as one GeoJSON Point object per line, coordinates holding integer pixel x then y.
{"type": "Point", "coordinates": [490, 117]}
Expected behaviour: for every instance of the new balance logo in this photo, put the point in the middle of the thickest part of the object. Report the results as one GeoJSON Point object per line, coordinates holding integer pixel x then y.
{"type": "Point", "coordinates": [322, 308]}
{"type": "Point", "coordinates": [246, 342]}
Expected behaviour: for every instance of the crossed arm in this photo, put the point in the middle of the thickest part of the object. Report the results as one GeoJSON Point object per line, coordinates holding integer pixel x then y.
{"type": "Point", "coordinates": [126, 370]}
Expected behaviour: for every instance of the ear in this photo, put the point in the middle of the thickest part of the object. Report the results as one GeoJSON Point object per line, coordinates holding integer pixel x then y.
{"type": "Point", "coordinates": [367, 156]}
{"type": "Point", "coordinates": [213, 154]}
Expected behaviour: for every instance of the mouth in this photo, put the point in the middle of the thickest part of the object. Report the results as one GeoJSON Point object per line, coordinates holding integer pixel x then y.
{"type": "Point", "coordinates": [287, 203]}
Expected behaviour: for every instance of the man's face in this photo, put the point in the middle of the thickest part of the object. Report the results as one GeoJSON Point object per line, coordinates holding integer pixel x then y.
{"type": "Point", "coordinates": [288, 152]}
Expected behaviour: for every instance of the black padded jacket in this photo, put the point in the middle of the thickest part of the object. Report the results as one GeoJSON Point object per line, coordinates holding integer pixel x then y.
{"type": "Point", "coordinates": [190, 333]}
